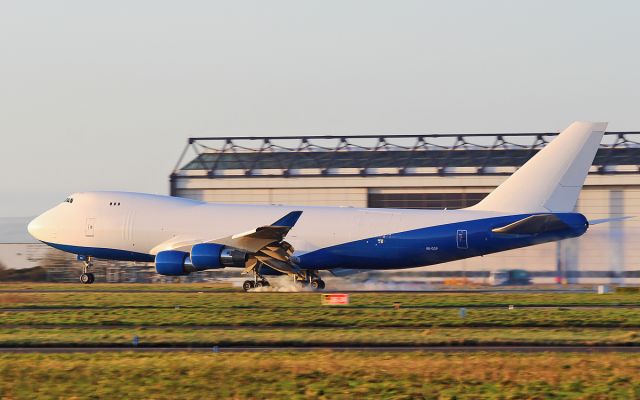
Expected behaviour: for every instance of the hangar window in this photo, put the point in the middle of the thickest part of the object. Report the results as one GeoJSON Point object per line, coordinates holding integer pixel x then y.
{"type": "Point", "coordinates": [429, 201]}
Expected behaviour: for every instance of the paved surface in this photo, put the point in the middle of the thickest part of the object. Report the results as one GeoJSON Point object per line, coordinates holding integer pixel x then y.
{"type": "Point", "coordinates": [329, 290]}
{"type": "Point", "coordinates": [427, 349]}
{"type": "Point", "coordinates": [381, 307]}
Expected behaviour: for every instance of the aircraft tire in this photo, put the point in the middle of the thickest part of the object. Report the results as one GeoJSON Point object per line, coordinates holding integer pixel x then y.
{"type": "Point", "coordinates": [247, 285]}
{"type": "Point", "coordinates": [86, 279]}
{"type": "Point", "coordinates": [92, 277]}
{"type": "Point", "coordinates": [321, 284]}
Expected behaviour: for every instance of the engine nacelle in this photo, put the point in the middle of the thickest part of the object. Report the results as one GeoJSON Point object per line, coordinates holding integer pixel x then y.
{"type": "Point", "coordinates": [172, 262]}
{"type": "Point", "coordinates": [212, 255]}
{"type": "Point", "coordinates": [203, 256]}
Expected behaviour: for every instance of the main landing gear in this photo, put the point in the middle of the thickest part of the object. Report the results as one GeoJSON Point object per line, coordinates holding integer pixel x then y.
{"type": "Point", "coordinates": [257, 282]}
{"type": "Point", "coordinates": [312, 279]}
{"type": "Point", "coordinates": [87, 277]}
{"type": "Point", "coordinates": [317, 284]}
{"type": "Point", "coordinates": [254, 284]}
{"type": "Point", "coordinates": [305, 278]}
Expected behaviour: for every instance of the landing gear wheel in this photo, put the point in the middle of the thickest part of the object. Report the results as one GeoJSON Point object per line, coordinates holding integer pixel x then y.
{"type": "Point", "coordinates": [247, 285]}
{"type": "Point", "coordinates": [87, 278]}
{"type": "Point", "coordinates": [317, 284]}
{"type": "Point", "coordinates": [265, 283]}
{"type": "Point", "coordinates": [259, 284]}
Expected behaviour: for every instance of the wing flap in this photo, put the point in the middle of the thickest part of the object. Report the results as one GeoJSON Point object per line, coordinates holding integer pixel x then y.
{"type": "Point", "coordinates": [278, 265]}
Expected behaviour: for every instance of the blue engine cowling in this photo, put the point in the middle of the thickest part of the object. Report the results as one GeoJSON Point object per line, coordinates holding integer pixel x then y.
{"type": "Point", "coordinates": [212, 255]}
{"type": "Point", "coordinates": [172, 262]}
{"type": "Point", "coordinates": [206, 256]}
{"type": "Point", "coordinates": [203, 256]}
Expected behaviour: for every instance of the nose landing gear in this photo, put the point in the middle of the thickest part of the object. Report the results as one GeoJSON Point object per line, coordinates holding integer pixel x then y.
{"type": "Point", "coordinates": [87, 277]}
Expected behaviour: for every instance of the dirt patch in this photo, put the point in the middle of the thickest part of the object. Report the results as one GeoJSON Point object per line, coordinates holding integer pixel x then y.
{"type": "Point", "coordinates": [16, 298]}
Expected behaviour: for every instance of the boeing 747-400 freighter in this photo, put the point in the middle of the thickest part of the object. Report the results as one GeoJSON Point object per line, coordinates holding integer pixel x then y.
{"type": "Point", "coordinates": [535, 205]}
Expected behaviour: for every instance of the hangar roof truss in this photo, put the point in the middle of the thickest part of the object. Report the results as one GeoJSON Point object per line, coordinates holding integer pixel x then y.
{"type": "Point", "coordinates": [434, 154]}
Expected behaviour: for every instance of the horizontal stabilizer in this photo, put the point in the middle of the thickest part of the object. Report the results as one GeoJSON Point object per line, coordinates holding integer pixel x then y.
{"type": "Point", "coordinates": [533, 224]}
{"type": "Point", "coordinates": [604, 220]}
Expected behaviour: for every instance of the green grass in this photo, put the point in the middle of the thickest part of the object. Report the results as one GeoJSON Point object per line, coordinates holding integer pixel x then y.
{"type": "Point", "coordinates": [189, 318]}
{"type": "Point", "coordinates": [299, 319]}
{"type": "Point", "coordinates": [211, 299]}
{"type": "Point", "coordinates": [76, 287]}
{"type": "Point", "coordinates": [367, 310]}
{"type": "Point", "coordinates": [319, 375]}
{"type": "Point", "coordinates": [271, 315]}
{"type": "Point", "coordinates": [178, 337]}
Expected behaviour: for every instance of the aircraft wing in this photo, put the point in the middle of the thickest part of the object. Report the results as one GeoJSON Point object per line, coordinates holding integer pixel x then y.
{"type": "Point", "coordinates": [264, 244]}
{"type": "Point", "coordinates": [177, 243]}
{"type": "Point", "coordinates": [257, 239]}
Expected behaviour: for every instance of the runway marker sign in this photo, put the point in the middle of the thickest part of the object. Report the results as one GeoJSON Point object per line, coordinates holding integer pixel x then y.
{"type": "Point", "coordinates": [335, 299]}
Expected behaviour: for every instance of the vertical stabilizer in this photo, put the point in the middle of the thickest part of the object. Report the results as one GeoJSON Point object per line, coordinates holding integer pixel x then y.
{"type": "Point", "coordinates": [551, 180]}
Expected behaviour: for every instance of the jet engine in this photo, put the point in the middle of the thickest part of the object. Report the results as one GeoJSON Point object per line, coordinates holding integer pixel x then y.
{"type": "Point", "coordinates": [211, 255]}
{"type": "Point", "coordinates": [173, 262]}
{"type": "Point", "coordinates": [203, 256]}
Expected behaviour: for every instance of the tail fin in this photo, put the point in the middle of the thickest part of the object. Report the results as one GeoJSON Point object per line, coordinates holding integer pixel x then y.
{"type": "Point", "coordinates": [551, 180]}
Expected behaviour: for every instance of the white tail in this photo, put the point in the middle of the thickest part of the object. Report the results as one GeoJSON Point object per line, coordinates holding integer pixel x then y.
{"type": "Point", "coordinates": [551, 180]}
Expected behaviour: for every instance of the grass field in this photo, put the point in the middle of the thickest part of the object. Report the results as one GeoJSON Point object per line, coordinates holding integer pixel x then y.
{"type": "Point", "coordinates": [319, 375]}
{"type": "Point", "coordinates": [184, 337]}
{"type": "Point", "coordinates": [210, 315]}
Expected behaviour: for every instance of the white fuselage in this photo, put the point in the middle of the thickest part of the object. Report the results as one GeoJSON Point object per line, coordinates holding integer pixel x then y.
{"type": "Point", "coordinates": [144, 223]}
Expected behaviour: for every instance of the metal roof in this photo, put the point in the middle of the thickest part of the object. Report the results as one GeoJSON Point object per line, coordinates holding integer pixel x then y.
{"type": "Point", "coordinates": [219, 157]}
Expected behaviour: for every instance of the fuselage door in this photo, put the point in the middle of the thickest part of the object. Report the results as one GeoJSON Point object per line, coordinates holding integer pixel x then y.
{"type": "Point", "coordinates": [461, 239]}
{"type": "Point", "coordinates": [90, 227]}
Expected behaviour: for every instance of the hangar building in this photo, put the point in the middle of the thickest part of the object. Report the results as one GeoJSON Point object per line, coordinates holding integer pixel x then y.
{"type": "Point", "coordinates": [432, 171]}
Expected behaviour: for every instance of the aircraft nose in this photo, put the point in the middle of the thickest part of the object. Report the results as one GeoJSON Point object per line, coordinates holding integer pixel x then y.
{"type": "Point", "coordinates": [35, 227]}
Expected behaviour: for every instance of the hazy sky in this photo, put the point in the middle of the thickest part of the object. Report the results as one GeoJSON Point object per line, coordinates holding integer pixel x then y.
{"type": "Point", "coordinates": [103, 94]}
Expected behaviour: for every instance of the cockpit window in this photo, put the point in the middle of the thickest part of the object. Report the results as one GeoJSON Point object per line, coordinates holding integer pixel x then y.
{"type": "Point", "coordinates": [68, 200]}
